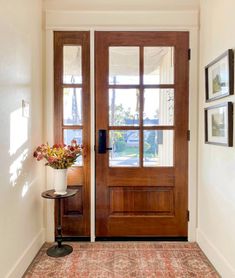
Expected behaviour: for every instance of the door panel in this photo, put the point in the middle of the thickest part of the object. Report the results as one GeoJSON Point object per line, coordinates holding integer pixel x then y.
{"type": "Point", "coordinates": [142, 103]}
{"type": "Point", "coordinates": [141, 201]}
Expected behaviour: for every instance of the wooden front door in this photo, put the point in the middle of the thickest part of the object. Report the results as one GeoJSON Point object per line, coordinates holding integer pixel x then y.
{"type": "Point", "coordinates": [141, 95]}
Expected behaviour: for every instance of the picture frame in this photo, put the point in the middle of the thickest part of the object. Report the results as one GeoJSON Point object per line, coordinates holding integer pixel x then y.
{"type": "Point", "coordinates": [219, 124]}
{"type": "Point", "coordinates": [219, 76]}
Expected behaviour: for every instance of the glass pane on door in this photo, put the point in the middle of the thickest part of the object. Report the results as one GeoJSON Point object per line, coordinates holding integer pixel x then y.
{"type": "Point", "coordinates": [158, 107]}
{"type": "Point", "coordinates": [124, 65]}
{"type": "Point", "coordinates": [125, 148]}
{"type": "Point", "coordinates": [158, 65]}
{"type": "Point", "coordinates": [71, 134]}
{"type": "Point", "coordinates": [72, 104]}
{"type": "Point", "coordinates": [72, 62]}
{"type": "Point", "coordinates": [158, 148]}
{"type": "Point", "coordinates": [123, 107]}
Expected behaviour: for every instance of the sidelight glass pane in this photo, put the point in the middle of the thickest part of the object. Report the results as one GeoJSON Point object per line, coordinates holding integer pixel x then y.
{"type": "Point", "coordinates": [123, 107]}
{"type": "Point", "coordinates": [158, 148]}
{"type": "Point", "coordinates": [125, 148]}
{"type": "Point", "coordinates": [72, 61]}
{"type": "Point", "coordinates": [72, 106]}
{"type": "Point", "coordinates": [158, 107]}
{"type": "Point", "coordinates": [124, 65]}
{"type": "Point", "coordinates": [158, 65]}
{"type": "Point", "coordinates": [71, 134]}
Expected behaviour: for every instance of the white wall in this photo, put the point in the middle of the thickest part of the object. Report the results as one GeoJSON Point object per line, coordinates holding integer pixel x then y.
{"type": "Point", "coordinates": [216, 192]}
{"type": "Point", "coordinates": [186, 20]}
{"type": "Point", "coordinates": [21, 177]}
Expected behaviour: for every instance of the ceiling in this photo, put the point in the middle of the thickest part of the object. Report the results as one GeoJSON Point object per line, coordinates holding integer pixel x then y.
{"type": "Point", "coordinates": [121, 5]}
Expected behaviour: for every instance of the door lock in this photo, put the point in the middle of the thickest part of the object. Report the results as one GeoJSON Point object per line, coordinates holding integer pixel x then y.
{"type": "Point", "coordinates": [102, 139]}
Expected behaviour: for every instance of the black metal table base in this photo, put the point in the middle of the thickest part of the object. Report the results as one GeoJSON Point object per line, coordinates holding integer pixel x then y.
{"type": "Point", "coordinates": [56, 251]}
{"type": "Point", "coordinates": [59, 250]}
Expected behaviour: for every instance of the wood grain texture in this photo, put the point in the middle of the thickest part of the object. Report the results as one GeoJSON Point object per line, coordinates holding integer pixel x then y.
{"type": "Point", "coordinates": [158, 201]}
{"type": "Point", "coordinates": [76, 217]}
{"type": "Point", "coordinates": [141, 201]}
{"type": "Point", "coordinates": [73, 206]}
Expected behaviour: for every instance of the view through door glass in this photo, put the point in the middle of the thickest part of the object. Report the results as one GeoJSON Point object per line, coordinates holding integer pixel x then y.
{"type": "Point", "coordinates": [142, 105]}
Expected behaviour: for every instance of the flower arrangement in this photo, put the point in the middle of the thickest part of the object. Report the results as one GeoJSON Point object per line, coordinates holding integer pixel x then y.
{"type": "Point", "coordinates": [59, 156]}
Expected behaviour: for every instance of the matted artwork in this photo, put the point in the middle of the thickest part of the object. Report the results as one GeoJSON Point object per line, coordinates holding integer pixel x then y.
{"type": "Point", "coordinates": [219, 124]}
{"type": "Point", "coordinates": [219, 76]}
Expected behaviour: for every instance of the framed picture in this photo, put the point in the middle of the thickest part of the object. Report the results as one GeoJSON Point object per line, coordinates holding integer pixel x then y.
{"type": "Point", "coordinates": [219, 76]}
{"type": "Point", "coordinates": [219, 124]}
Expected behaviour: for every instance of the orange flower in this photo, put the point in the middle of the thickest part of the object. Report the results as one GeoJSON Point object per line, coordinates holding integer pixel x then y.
{"type": "Point", "coordinates": [59, 156]}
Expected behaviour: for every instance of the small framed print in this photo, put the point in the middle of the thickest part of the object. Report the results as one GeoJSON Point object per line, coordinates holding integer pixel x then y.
{"type": "Point", "coordinates": [219, 124]}
{"type": "Point", "coordinates": [219, 76]}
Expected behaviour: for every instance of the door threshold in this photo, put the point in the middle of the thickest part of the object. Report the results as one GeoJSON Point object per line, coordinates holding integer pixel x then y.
{"type": "Point", "coordinates": [124, 238]}
{"type": "Point", "coordinates": [133, 238]}
{"type": "Point", "coordinates": [75, 238]}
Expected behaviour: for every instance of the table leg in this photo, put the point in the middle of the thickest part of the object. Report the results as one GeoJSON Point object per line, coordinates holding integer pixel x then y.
{"type": "Point", "coordinates": [59, 228]}
{"type": "Point", "coordinates": [60, 249]}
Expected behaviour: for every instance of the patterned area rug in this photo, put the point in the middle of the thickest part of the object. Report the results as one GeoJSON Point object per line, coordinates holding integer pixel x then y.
{"type": "Point", "coordinates": [125, 260]}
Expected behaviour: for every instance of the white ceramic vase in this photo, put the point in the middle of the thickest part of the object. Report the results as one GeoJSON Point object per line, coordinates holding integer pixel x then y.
{"type": "Point", "coordinates": [60, 181]}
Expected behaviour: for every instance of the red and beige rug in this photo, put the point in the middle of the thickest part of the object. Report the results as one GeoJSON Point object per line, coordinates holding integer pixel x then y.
{"type": "Point", "coordinates": [125, 260]}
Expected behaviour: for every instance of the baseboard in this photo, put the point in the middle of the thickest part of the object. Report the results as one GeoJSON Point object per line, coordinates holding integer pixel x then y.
{"type": "Point", "coordinates": [224, 268]}
{"type": "Point", "coordinates": [28, 255]}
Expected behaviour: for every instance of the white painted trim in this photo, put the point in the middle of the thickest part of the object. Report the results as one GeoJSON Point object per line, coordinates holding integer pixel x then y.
{"type": "Point", "coordinates": [193, 127]}
{"type": "Point", "coordinates": [126, 28]}
{"type": "Point", "coordinates": [28, 255]}
{"type": "Point", "coordinates": [55, 19]}
{"type": "Point", "coordinates": [92, 189]}
{"type": "Point", "coordinates": [224, 268]}
{"type": "Point", "coordinates": [136, 12]}
{"type": "Point", "coordinates": [49, 130]}
{"type": "Point", "coordinates": [193, 98]}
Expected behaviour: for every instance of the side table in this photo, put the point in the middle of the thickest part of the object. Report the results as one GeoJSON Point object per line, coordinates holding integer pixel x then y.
{"type": "Point", "coordinates": [60, 249]}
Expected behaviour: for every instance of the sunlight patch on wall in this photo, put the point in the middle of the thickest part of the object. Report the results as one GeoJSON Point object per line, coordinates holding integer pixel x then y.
{"type": "Point", "coordinates": [18, 130]}
{"type": "Point", "coordinates": [25, 189]}
{"type": "Point", "coordinates": [16, 167]}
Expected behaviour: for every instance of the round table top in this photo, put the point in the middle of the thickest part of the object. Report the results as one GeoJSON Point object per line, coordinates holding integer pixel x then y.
{"type": "Point", "coordinates": [50, 194]}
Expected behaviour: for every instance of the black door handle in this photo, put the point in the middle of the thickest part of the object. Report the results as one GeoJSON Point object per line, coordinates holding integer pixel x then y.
{"type": "Point", "coordinates": [102, 141]}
